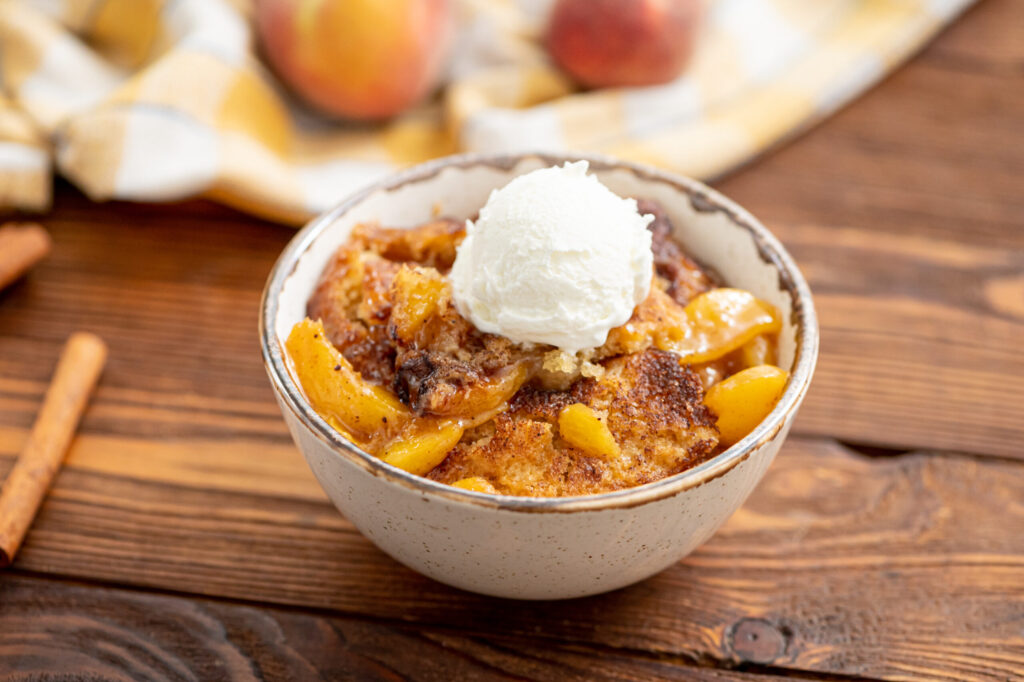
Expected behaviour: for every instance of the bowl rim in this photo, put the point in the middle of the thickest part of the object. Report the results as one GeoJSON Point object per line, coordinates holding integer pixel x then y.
{"type": "Point", "coordinates": [702, 198]}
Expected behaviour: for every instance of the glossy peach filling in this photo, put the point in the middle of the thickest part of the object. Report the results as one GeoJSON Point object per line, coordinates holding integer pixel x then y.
{"type": "Point", "coordinates": [386, 359]}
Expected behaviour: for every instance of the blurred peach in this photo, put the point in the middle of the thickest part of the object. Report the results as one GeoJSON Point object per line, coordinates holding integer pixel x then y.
{"type": "Point", "coordinates": [608, 43]}
{"type": "Point", "coordinates": [359, 59]}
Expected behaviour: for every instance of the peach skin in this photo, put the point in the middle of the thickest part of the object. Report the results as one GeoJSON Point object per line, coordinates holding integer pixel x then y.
{"type": "Point", "coordinates": [357, 59]}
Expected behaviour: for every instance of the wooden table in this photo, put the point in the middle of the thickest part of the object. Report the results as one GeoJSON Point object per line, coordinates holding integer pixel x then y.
{"type": "Point", "coordinates": [186, 538]}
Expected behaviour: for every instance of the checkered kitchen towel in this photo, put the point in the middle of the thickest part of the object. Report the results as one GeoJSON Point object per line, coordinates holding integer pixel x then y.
{"type": "Point", "coordinates": [157, 100]}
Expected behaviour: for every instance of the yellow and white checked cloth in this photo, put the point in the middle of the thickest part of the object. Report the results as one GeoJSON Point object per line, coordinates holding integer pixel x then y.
{"type": "Point", "coordinates": [158, 100]}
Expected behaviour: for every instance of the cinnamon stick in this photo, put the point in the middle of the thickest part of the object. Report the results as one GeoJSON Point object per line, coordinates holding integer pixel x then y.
{"type": "Point", "coordinates": [21, 246]}
{"type": "Point", "coordinates": [77, 372]}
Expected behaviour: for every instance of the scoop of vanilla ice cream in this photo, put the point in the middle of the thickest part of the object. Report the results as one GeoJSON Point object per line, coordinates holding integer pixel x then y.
{"type": "Point", "coordinates": [554, 257]}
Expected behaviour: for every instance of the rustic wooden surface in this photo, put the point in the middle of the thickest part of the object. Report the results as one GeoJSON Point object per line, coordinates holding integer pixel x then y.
{"type": "Point", "coordinates": [186, 538]}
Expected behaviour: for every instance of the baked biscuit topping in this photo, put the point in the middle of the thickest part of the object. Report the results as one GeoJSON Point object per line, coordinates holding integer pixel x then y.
{"type": "Point", "coordinates": [387, 359]}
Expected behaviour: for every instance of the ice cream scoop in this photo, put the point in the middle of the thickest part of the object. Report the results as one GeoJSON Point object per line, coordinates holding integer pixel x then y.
{"type": "Point", "coordinates": [554, 257]}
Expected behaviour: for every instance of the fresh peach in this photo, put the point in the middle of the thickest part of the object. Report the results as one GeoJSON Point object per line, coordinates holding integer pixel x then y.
{"type": "Point", "coordinates": [359, 59]}
{"type": "Point", "coordinates": [609, 43]}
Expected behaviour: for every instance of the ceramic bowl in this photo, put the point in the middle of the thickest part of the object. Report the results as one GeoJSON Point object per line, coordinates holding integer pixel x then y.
{"type": "Point", "coordinates": [539, 548]}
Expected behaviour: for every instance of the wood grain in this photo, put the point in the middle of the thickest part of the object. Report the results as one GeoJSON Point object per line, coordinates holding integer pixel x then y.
{"type": "Point", "coordinates": [984, 40]}
{"type": "Point", "coordinates": [922, 341]}
{"type": "Point", "coordinates": [935, 150]}
{"type": "Point", "coordinates": [906, 213]}
{"type": "Point", "coordinates": [839, 563]}
{"type": "Point", "coordinates": [921, 337]}
{"type": "Point", "coordinates": [54, 630]}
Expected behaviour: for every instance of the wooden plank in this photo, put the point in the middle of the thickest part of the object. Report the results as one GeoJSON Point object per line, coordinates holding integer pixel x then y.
{"type": "Point", "coordinates": [910, 158]}
{"type": "Point", "coordinates": [984, 39]}
{"type": "Point", "coordinates": [921, 347]}
{"type": "Point", "coordinates": [838, 564]}
{"type": "Point", "coordinates": [935, 150]}
{"type": "Point", "coordinates": [903, 181]}
{"type": "Point", "coordinates": [51, 629]}
{"type": "Point", "coordinates": [904, 210]}
{"type": "Point", "coordinates": [922, 341]}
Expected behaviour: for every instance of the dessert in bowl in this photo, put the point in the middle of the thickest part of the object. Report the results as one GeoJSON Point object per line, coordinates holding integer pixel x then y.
{"type": "Point", "coordinates": [548, 406]}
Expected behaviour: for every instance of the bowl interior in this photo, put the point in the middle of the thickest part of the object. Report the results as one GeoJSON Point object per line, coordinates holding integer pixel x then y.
{"type": "Point", "coordinates": [711, 228]}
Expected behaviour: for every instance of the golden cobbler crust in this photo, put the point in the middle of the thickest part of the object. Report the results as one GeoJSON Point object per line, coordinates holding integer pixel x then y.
{"type": "Point", "coordinates": [651, 403]}
{"type": "Point", "coordinates": [371, 300]}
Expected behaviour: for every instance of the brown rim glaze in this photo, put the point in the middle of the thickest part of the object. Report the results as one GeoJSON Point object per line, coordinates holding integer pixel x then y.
{"type": "Point", "coordinates": [702, 198]}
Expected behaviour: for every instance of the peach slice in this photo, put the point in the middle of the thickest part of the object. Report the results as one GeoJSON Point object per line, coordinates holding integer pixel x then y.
{"type": "Point", "coordinates": [743, 400]}
{"type": "Point", "coordinates": [582, 428]}
{"type": "Point", "coordinates": [417, 294]}
{"type": "Point", "coordinates": [424, 446]}
{"type": "Point", "coordinates": [336, 390]}
{"type": "Point", "coordinates": [760, 350]}
{"type": "Point", "coordinates": [477, 484]}
{"type": "Point", "coordinates": [716, 323]}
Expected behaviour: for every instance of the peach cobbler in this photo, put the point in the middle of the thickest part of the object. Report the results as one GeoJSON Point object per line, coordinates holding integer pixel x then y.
{"type": "Point", "coordinates": [390, 356]}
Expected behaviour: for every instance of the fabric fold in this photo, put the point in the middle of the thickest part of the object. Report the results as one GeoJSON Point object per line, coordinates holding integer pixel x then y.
{"type": "Point", "coordinates": [159, 100]}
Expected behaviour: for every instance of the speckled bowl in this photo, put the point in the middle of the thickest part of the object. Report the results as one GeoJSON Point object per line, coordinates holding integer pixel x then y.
{"type": "Point", "coordinates": [535, 548]}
